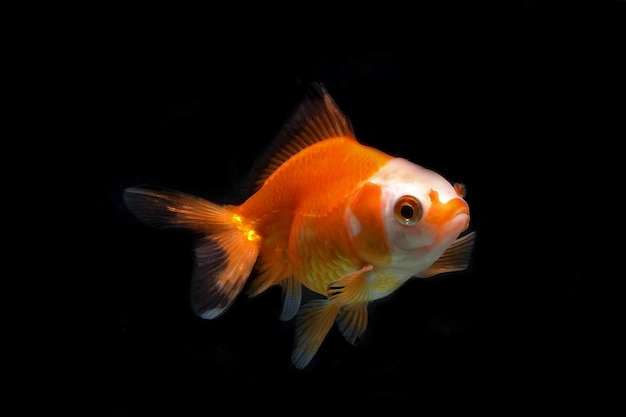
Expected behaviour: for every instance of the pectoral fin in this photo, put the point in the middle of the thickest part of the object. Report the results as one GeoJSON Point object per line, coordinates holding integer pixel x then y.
{"type": "Point", "coordinates": [352, 293]}
{"type": "Point", "coordinates": [455, 258]}
{"type": "Point", "coordinates": [351, 288]}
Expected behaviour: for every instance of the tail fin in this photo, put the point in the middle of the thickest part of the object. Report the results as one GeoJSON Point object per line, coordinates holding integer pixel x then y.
{"type": "Point", "coordinates": [225, 254]}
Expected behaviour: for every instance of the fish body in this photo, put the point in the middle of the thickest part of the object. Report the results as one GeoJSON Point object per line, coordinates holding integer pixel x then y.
{"type": "Point", "coordinates": [347, 221]}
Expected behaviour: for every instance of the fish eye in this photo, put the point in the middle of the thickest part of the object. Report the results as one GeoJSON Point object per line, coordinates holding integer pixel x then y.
{"type": "Point", "coordinates": [408, 210]}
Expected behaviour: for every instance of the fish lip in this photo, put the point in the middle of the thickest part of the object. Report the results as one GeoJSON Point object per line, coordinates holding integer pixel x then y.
{"type": "Point", "coordinates": [463, 211]}
{"type": "Point", "coordinates": [461, 215]}
{"type": "Point", "coordinates": [442, 213]}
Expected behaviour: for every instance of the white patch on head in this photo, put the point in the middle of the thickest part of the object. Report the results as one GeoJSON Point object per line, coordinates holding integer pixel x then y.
{"type": "Point", "coordinates": [405, 177]}
{"type": "Point", "coordinates": [414, 247]}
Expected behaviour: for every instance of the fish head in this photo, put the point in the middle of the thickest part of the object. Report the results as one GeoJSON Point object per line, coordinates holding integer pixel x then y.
{"type": "Point", "coordinates": [405, 217]}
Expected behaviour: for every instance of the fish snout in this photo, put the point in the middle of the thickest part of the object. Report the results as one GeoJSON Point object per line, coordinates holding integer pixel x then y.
{"type": "Point", "coordinates": [441, 213]}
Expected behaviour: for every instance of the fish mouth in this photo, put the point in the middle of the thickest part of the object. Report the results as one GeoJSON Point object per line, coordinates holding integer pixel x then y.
{"type": "Point", "coordinates": [462, 219]}
{"type": "Point", "coordinates": [441, 213]}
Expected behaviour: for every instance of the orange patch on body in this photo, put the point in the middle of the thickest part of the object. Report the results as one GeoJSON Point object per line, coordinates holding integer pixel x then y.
{"type": "Point", "coordinates": [370, 241]}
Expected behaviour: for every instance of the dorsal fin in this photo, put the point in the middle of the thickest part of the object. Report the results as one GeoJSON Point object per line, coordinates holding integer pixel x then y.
{"type": "Point", "coordinates": [316, 119]}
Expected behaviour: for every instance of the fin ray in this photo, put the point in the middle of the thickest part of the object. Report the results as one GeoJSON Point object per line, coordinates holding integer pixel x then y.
{"type": "Point", "coordinates": [313, 323]}
{"type": "Point", "coordinates": [222, 267]}
{"type": "Point", "coordinates": [351, 288]}
{"type": "Point", "coordinates": [316, 119]}
{"type": "Point", "coordinates": [164, 208]}
{"type": "Point", "coordinates": [291, 292]}
{"type": "Point", "coordinates": [352, 322]}
{"type": "Point", "coordinates": [455, 258]}
{"type": "Point", "coordinates": [224, 256]}
{"type": "Point", "coordinates": [271, 272]}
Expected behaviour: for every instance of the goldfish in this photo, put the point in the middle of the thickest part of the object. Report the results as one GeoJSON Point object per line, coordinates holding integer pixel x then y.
{"type": "Point", "coordinates": [329, 215]}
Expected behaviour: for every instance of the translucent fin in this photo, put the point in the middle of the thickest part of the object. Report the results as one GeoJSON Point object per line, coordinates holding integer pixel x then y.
{"type": "Point", "coordinates": [225, 254]}
{"type": "Point", "coordinates": [271, 271]}
{"type": "Point", "coordinates": [312, 325]}
{"type": "Point", "coordinates": [455, 258]}
{"type": "Point", "coordinates": [351, 288]}
{"type": "Point", "coordinates": [352, 322]}
{"type": "Point", "coordinates": [318, 118]}
{"type": "Point", "coordinates": [223, 264]}
{"type": "Point", "coordinates": [291, 291]}
{"type": "Point", "coordinates": [165, 208]}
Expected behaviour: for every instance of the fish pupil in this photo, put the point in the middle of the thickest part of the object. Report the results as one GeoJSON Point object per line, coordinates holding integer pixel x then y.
{"type": "Point", "coordinates": [407, 211]}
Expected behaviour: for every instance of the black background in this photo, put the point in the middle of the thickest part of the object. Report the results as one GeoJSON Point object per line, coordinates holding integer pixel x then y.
{"type": "Point", "coordinates": [512, 98]}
